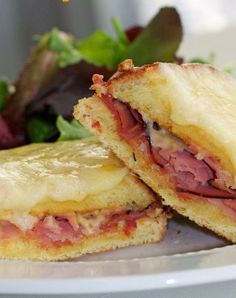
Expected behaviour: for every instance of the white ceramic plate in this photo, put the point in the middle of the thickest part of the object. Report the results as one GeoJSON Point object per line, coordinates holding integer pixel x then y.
{"type": "Point", "coordinates": [188, 255]}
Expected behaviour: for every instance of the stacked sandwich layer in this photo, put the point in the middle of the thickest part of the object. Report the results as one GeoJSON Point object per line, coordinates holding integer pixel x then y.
{"type": "Point", "coordinates": [66, 199]}
{"type": "Point", "coordinates": [172, 125]}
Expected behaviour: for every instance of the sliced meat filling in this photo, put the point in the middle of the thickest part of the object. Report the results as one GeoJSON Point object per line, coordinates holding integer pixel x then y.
{"type": "Point", "coordinates": [57, 231]}
{"type": "Point", "coordinates": [189, 171]}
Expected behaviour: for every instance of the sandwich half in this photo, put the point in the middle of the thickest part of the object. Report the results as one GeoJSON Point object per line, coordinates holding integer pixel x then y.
{"type": "Point", "coordinates": [175, 127]}
{"type": "Point", "coordinates": [66, 199]}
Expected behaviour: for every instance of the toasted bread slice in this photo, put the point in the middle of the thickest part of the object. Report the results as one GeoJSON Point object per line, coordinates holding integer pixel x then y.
{"type": "Point", "coordinates": [192, 105]}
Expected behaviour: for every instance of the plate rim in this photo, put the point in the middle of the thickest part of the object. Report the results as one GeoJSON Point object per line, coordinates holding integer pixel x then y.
{"type": "Point", "coordinates": [201, 267]}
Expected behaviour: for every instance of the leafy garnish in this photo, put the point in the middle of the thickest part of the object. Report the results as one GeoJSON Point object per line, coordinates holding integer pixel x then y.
{"type": "Point", "coordinates": [67, 53]}
{"type": "Point", "coordinates": [101, 49]}
{"type": "Point", "coordinates": [39, 69]}
{"type": "Point", "coordinates": [159, 40]}
{"type": "Point", "coordinates": [210, 60]}
{"type": "Point", "coordinates": [4, 92]}
{"type": "Point", "coordinates": [229, 69]}
{"type": "Point", "coordinates": [62, 92]}
{"type": "Point", "coordinates": [40, 129]}
{"type": "Point", "coordinates": [71, 130]}
{"type": "Point", "coordinates": [42, 89]}
{"type": "Point", "coordinates": [120, 33]}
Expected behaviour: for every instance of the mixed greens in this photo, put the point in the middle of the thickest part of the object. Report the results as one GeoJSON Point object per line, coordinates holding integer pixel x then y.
{"type": "Point", "coordinates": [59, 72]}
{"type": "Point", "coordinates": [72, 130]}
{"type": "Point", "coordinates": [158, 41]}
{"type": "Point", "coordinates": [67, 53]}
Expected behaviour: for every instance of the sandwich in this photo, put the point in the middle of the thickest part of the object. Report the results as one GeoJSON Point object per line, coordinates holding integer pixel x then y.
{"type": "Point", "coordinates": [66, 199]}
{"type": "Point", "coordinates": [175, 127]}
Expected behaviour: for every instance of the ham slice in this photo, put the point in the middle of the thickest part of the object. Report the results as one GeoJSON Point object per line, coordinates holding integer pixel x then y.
{"type": "Point", "coordinates": [187, 162]}
{"type": "Point", "coordinates": [57, 231]}
{"type": "Point", "coordinates": [158, 157]}
{"type": "Point", "coordinates": [129, 122]}
{"type": "Point", "coordinates": [128, 221]}
{"type": "Point", "coordinates": [8, 230]}
{"type": "Point", "coordinates": [189, 173]}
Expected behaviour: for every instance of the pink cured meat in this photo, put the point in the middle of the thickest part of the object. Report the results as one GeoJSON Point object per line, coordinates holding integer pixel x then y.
{"type": "Point", "coordinates": [189, 174]}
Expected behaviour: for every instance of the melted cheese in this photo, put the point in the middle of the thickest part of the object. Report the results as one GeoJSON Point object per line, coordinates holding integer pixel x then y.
{"type": "Point", "coordinates": [92, 224]}
{"type": "Point", "coordinates": [204, 98]}
{"type": "Point", "coordinates": [162, 138]}
{"type": "Point", "coordinates": [59, 172]}
{"type": "Point", "coordinates": [23, 220]}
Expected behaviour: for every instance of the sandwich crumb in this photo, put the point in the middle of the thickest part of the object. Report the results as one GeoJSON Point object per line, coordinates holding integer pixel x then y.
{"type": "Point", "coordinates": [126, 65]}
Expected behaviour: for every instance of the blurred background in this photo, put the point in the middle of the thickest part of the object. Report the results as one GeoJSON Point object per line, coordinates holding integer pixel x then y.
{"type": "Point", "coordinates": [209, 25]}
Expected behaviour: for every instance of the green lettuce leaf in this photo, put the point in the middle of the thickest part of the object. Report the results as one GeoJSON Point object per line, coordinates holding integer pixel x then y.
{"type": "Point", "coordinates": [159, 40]}
{"type": "Point", "coordinates": [101, 49]}
{"type": "Point", "coordinates": [71, 130]}
{"type": "Point", "coordinates": [120, 33]}
{"type": "Point", "coordinates": [40, 129]}
{"type": "Point", "coordinates": [4, 92]}
{"type": "Point", "coordinates": [211, 59]}
{"type": "Point", "coordinates": [230, 69]}
{"type": "Point", "coordinates": [68, 54]}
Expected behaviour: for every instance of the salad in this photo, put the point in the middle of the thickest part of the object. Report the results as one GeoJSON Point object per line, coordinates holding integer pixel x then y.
{"type": "Point", "coordinates": [37, 107]}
